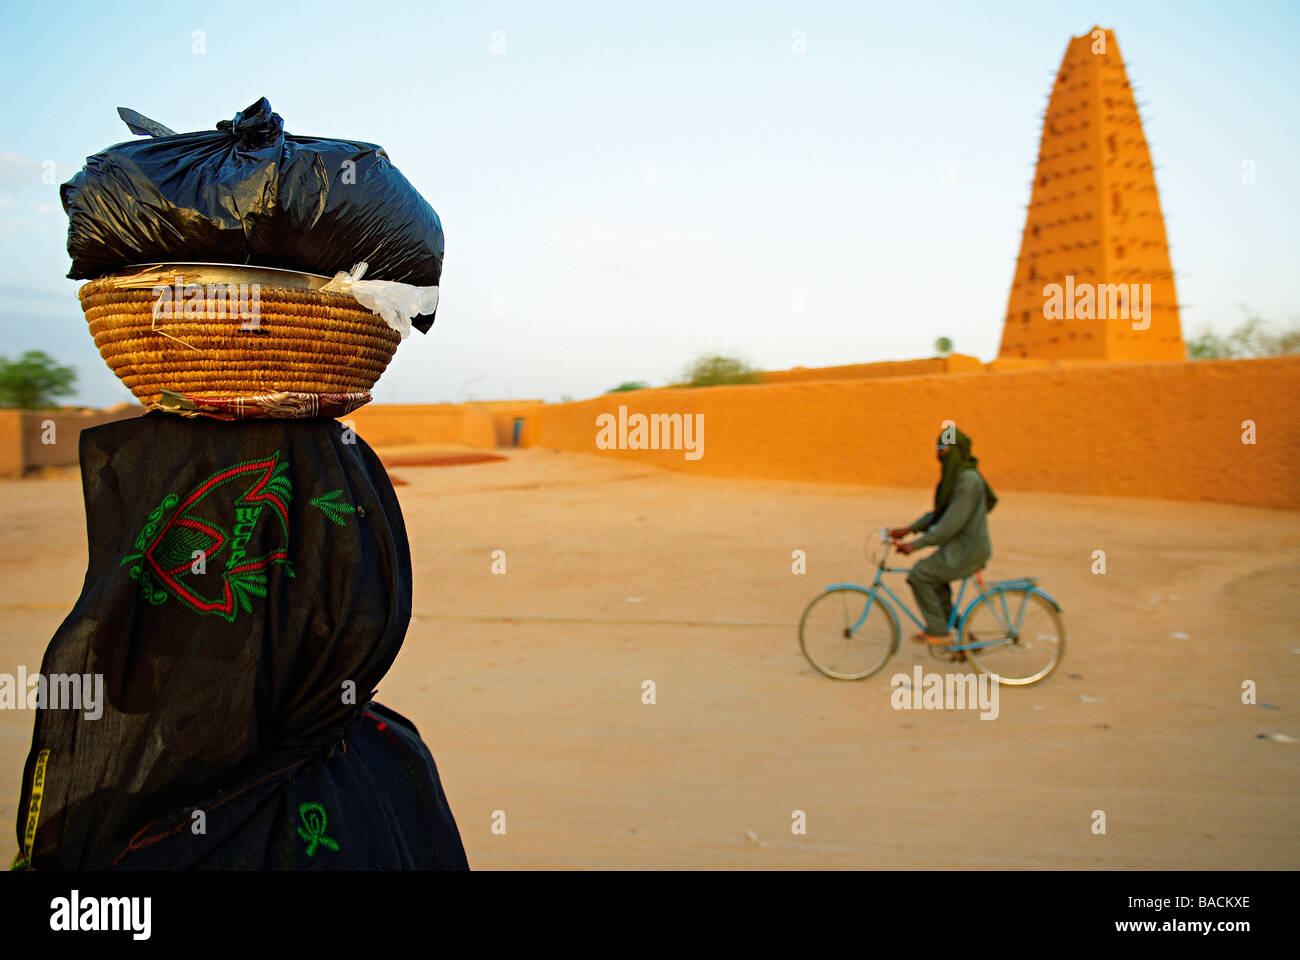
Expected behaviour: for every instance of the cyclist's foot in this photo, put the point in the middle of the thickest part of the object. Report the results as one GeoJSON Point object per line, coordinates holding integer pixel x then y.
{"type": "Point", "coordinates": [932, 640]}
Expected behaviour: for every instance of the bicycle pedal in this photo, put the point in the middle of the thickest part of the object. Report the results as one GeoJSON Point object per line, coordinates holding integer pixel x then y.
{"type": "Point", "coordinates": [944, 655]}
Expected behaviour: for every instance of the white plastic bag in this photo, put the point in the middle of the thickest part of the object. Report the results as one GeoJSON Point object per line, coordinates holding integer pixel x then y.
{"type": "Point", "coordinates": [397, 303]}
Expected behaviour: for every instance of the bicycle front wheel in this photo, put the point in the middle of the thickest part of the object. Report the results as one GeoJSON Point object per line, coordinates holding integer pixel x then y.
{"type": "Point", "coordinates": [1016, 635]}
{"type": "Point", "coordinates": [848, 634]}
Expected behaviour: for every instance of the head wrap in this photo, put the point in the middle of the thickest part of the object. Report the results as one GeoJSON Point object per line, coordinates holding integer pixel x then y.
{"type": "Point", "coordinates": [957, 459]}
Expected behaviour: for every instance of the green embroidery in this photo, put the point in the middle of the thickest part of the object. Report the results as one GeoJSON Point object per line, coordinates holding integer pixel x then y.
{"type": "Point", "coordinates": [281, 486]}
{"type": "Point", "coordinates": [155, 517]}
{"type": "Point", "coordinates": [313, 828]}
{"type": "Point", "coordinates": [333, 507]}
{"type": "Point", "coordinates": [20, 862]}
{"type": "Point", "coordinates": [248, 583]}
{"type": "Point", "coordinates": [199, 524]}
{"type": "Point", "coordinates": [148, 589]}
{"type": "Point", "coordinates": [179, 547]}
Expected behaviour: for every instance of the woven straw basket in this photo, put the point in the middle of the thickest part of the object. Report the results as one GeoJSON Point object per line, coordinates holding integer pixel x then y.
{"type": "Point", "coordinates": [302, 342]}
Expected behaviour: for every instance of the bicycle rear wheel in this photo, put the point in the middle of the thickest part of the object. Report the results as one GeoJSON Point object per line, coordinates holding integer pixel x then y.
{"type": "Point", "coordinates": [1017, 635]}
{"type": "Point", "coordinates": [847, 634]}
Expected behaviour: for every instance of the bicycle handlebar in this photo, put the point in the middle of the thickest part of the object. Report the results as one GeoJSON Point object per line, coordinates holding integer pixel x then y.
{"type": "Point", "coordinates": [888, 542]}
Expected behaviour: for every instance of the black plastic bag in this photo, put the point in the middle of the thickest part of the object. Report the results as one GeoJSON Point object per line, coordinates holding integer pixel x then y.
{"type": "Point", "coordinates": [250, 193]}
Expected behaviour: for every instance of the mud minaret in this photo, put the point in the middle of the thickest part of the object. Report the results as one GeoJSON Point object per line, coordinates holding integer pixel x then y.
{"type": "Point", "coordinates": [1093, 226]}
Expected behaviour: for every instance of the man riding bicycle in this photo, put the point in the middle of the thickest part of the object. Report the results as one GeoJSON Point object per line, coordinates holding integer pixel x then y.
{"type": "Point", "coordinates": [957, 526]}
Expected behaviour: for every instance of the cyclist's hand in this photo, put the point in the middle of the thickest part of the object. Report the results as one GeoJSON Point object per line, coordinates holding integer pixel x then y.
{"type": "Point", "coordinates": [898, 533]}
{"type": "Point", "coordinates": [906, 548]}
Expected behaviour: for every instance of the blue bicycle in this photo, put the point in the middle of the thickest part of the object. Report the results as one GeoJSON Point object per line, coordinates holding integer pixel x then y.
{"type": "Point", "coordinates": [1012, 630]}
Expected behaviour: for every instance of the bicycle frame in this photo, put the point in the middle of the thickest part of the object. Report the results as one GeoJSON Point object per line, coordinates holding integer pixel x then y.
{"type": "Point", "coordinates": [879, 590]}
{"type": "Point", "coordinates": [1003, 624]}
{"type": "Point", "coordinates": [878, 586]}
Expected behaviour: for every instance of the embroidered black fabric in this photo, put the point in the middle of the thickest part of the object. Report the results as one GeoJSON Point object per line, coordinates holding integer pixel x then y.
{"type": "Point", "coordinates": [248, 585]}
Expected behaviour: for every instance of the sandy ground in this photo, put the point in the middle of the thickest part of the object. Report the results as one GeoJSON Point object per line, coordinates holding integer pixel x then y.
{"type": "Point", "coordinates": [527, 686]}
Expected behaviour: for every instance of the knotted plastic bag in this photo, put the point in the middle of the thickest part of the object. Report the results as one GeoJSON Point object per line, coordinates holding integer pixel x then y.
{"type": "Point", "coordinates": [250, 193]}
{"type": "Point", "coordinates": [397, 303]}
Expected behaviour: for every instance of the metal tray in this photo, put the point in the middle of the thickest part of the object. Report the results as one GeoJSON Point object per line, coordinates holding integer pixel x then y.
{"type": "Point", "coordinates": [149, 275]}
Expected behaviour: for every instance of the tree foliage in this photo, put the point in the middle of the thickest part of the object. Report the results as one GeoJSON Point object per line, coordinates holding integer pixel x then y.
{"type": "Point", "coordinates": [716, 371]}
{"type": "Point", "coordinates": [33, 381]}
{"type": "Point", "coordinates": [1252, 338]}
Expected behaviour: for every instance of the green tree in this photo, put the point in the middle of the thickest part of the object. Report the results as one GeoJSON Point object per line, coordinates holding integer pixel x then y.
{"type": "Point", "coordinates": [943, 346]}
{"type": "Point", "coordinates": [33, 380]}
{"type": "Point", "coordinates": [627, 385]}
{"type": "Point", "coordinates": [1252, 338]}
{"type": "Point", "coordinates": [719, 371]}
{"type": "Point", "coordinates": [1208, 346]}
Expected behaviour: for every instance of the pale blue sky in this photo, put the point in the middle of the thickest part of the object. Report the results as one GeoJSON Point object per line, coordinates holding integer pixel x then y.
{"type": "Point", "coordinates": [774, 175]}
